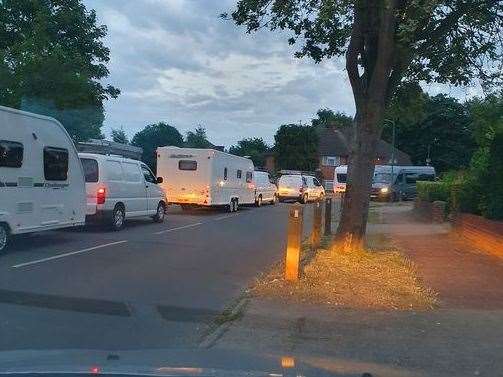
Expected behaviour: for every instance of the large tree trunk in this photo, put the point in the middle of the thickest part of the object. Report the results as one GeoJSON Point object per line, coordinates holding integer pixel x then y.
{"type": "Point", "coordinates": [353, 222]}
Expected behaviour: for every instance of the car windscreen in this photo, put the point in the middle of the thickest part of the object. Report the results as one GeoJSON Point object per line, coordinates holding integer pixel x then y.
{"type": "Point", "coordinates": [91, 170]}
{"type": "Point", "coordinates": [342, 177]}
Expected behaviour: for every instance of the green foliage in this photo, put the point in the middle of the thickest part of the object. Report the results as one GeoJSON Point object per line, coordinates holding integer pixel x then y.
{"type": "Point", "coordinates": [494, 208]}
{"type": "Point", "coordinates": [296, 147]}
{"type": "Point", "coordinates": [119, 136]}
{"type": "Point", "coordinates": [252, 147]}
{"type": "Point", "coordinates": [156, 135]}
{"type": "Point", "coordinates": [197, 139]}
{"type": "Point", "coordinates": [53, 62]}
{"type": "Point", "coordinates": [433, 191]}
{"type": "Point", "coordinates": [327, 118]}
{"type": "Point", "coordinates": [487, 117]}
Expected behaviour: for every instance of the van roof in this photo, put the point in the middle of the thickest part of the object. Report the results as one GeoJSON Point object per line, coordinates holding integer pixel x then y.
{"type": "Point", "coordinates": [99, 156]}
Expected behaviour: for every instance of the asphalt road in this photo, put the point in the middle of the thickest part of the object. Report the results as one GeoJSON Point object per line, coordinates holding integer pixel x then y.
{"type": "Point", "coordinates": [148, 286]}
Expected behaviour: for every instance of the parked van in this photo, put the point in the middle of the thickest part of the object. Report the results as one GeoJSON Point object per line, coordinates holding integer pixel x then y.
{"type": "Point", "coordinates": [120, 188]}
{"type": "Point", "coordinates": [399, 182]}
{"type": "Point", "coordinates": [41, 178]}
{"type": "Point", "coordinates": [265, 188]}
{"type": "Point", "coordinates": [205, 177]}
{"type": "Point", "coordinates": [340, 178]}
{"type": "Point", "coordinates": [300, 187]}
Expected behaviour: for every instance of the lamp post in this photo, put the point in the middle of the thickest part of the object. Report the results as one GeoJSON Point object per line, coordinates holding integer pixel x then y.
{"type": "Point", "coordinates": [393, 123]}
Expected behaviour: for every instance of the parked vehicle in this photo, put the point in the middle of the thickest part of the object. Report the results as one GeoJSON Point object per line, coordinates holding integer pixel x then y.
{"type": "Point", "coordinates": [399, 182]}
{"type": "Point", "coordinates": [300, 187]}
{"type": "Point", "coordinates": [206, 177]}
{"type": "Point", "coordinates": [265, 188]}
{"type": "Point", "coordinates": [41, 178]}
{"type": "Point", "coordinates": [120, 188]}
{"type": "Point", "coordinates": [340, 178]}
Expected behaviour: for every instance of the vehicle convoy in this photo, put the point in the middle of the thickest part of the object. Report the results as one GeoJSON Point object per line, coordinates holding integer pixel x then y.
{"type": "Point", "coordinates": [265, 189]}
{"type": "Point", "coordinates": [119, 188]}
{"type": "Point", "coordinates": [205, 178]}
{"type": "Point", "coordinates": [392, 183]}
{"type": "Point", "coordinates": [41, 178]}
{"type": "Point", "coordinates": [300, 187]}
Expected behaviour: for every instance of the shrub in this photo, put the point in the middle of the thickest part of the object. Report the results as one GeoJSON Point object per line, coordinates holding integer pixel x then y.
{"type": "Point", "coordinates": [494, 189]}
{"type": "Point", "coordinates": [433, 191]}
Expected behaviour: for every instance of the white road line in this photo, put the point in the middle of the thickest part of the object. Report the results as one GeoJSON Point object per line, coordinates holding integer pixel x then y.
{"type": "Point", "coordinates": [67, 254]}
{"type": "Point", "coordinates": [225, 217]}
{"type": "Point", "coordinates": [178, 228]}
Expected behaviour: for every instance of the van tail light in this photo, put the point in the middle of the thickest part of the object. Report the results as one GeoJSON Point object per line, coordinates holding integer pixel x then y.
{"type": "Point", "coordinates": [101, 195]}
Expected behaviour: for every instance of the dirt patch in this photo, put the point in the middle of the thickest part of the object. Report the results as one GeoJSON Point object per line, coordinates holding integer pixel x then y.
{"type": "Point", "coordinates": [375, 279]}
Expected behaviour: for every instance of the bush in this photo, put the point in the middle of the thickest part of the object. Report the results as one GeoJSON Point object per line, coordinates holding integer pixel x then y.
{"type": "Point", "coordinates": [433, 191]}
{"type": "Point", "coordinates": [494, 184]}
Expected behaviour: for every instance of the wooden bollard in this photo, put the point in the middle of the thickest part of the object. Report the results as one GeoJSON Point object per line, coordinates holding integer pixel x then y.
{"type": "Point", "coordinates": [294, 242]}
{"type": "Point", "coordinates": [328, 216]}
{"type": "Point", "coordinates": [316, 233]}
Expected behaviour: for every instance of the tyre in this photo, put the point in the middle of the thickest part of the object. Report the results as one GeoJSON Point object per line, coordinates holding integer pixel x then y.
{"type": "Point", "coordinates": [274, 199]}
{"type": "Point", "coordinates": [231, 206]}
{"type": "Point", "coordinates": [304, 199]}
{"type": "Point", "coordinates": [393, 197]}
{"type": "Point", "coordinates": [118, 218]}
{"type": "Point", "coordinates": [4, 238]}
{"type": "Point", "coordinates": [236, 205]}
{"type": "Point", "coordinates": [160, 214]}
{"type": "Point", "coordinates": [258, 203]}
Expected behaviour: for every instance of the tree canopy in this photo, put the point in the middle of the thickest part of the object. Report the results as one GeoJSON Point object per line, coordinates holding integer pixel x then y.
{"type": "Point", "coordinates": [252, 147]}
{"type": "Point", "coordinates": [197, 139]}
{"type": "Point", "coordinates": [119, 136]}
{"type": "Point", "coordinates": [153, 136]}
{"type": "Point", "coordinates": [296, 147]}
{"type": "Point", "coordinates": [327, 117]}
{"type": "Point", "coordinates": [53, 62]}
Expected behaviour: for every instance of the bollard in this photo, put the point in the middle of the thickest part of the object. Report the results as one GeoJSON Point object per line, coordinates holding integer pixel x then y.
{"type": "Point", "coordinates": [316, 233]}
{"type": "Point", "coordinates": [328, 216]}
{"type": "Point", "coordinates": [294, 242]}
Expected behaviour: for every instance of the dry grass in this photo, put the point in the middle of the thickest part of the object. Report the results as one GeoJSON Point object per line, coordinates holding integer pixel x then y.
{"type": "Point", "coordinates": [378, 279]}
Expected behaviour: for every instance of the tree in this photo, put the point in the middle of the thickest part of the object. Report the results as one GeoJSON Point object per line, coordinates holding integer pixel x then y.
{"type": "Point", "coordinates": [253, 147]}
{"type": "Point", "coordinates": [197, 139]}
{"type": "Point", "coordinates": [296, 147]}
{"type": "Point", "coordinates": [385, 43]}
{"type": "Point", "coordinates": [156, 135]}
{"type": "Point", "coordinates": [326, 118]}
{"type": "Point", "coordinates": [119, 136]}
{"type": "Point", "coordinates": [53, 62]}
{"type": "Point", "coordinates": [439, 128]}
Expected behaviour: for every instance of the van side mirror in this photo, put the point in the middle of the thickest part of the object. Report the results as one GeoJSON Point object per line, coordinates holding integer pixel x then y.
{"type": "Point", "coordinates": [159, 180]}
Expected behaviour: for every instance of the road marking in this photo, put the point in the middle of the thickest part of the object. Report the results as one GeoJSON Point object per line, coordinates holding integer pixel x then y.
{"type": "Point", "coordinates": [67, 254]}
{"type": "Point", "coordinates": [178, 228]}
{"type": "Point", "coordinates": [225, 217]}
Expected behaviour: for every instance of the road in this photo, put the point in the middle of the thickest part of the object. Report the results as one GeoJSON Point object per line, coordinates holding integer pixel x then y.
{"type": "Point", "coordinates": [148, 286]}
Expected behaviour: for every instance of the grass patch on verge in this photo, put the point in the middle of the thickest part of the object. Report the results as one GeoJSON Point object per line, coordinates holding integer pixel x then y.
{"type": "Point", "coordinates": [379, 278]}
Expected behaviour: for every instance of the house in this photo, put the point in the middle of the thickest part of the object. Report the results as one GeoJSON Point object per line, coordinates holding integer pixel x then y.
{"type": "Point", "coordinates": [334, 150]}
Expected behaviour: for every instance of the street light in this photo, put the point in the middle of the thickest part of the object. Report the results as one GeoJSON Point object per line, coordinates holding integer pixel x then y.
{"type": "Point", "coordinates": [393, 123]}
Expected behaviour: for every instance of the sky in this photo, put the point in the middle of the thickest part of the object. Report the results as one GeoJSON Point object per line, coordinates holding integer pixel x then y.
{"type": "Point", "coordinates": [176, 61]}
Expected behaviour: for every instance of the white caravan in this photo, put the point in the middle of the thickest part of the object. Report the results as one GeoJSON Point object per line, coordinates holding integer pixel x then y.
{"type": "Point", "coordinates": [265, 189]}
{"type": "Point", "coordinates": [41, 178]}
{"type": "Point", "coordinates": [205, 177]}
{"type": "Point", "coordinates": [340, 177]}
{"type": "Point", "coordinates": [120, 188]}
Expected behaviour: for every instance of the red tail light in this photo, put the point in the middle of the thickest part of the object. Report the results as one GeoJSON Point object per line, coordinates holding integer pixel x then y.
{"type": "Point", "coordinates": [101, 195]}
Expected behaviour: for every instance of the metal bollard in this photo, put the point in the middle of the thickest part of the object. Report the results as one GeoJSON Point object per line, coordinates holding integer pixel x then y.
{"type": "Point", "coordinates": [294, 242]}
{"type": "Point", "coordinates": [316, 233]}
{"type": "Point", "coordinates": [328, 216]}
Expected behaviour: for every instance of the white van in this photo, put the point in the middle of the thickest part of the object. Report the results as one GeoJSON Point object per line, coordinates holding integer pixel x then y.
{"type": "Point", "coordinates": [41, 179]}
{"type": "Point", "coordinates": [340, 178]}
{"type": "Point", "coordinates": [300, 187]}
{"type": "Point", "coordinates": [265, 189]}
{"type": "Point", "coordinates": [205, 177]}
{"type": "Point", "coordinates": [120, 188]}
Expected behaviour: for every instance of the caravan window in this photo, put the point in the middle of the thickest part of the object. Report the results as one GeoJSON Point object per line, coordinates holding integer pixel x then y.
{"type": "Point", "coordinates": [55, 164]}
{"type": "Point", "coordinates": [187, 165]}
{"type": "Point", "coordinates": [249, 177]}
{"type": "Point", "coordinates": [239, 173]}
{"type": "Point", "coordinates": [91, 171]}
{"type": "Point", "coordinates": [342, 177]}
{"type": "Point", "coordinates": [11, 154]}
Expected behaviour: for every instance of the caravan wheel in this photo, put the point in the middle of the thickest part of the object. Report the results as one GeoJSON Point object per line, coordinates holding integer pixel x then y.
{"type": "Point", "coordinates": [4, 238]}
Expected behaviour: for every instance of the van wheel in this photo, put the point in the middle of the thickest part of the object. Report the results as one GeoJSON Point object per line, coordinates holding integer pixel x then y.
{"type": "Point", "coordinates": [4, 238]}
{"type": "Point", "coordinates": [304, 199]}
{"type": "Point", "coordinates": [118, 218]}
{"type": "Point", "coordinates": [258, 203]}
{"type": "Point", "coordinates": [274, 199]}
{"type": "Point", "coordinates": [236, 205]}
{"type": "Point", "coordinates": [231, 206]}
{"type": "Point", "coordinates": [160, 214]}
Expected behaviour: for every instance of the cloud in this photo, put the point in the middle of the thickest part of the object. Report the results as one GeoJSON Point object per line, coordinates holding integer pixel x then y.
{"type": "Point", "coordinates": [177, 61]}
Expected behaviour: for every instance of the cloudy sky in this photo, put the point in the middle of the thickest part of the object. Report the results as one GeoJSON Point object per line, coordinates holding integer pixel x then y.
{"type": "Point", "coordinates": [177, 61]}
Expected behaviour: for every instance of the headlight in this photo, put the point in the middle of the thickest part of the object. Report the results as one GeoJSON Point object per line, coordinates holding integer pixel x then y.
{"type": "Point", "coordinates": [384, 190]}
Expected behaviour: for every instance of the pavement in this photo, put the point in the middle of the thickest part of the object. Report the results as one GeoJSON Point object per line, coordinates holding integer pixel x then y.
{"type": "Point", "coordinates": [462, 337]}
{"type": "Point", "coordinates": [148, 286]}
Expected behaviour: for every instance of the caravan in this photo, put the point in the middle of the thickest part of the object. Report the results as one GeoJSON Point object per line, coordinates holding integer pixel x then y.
{"type": "Point", "coordinates": [205, 177]}
{"type": "Point", "coordinates": [41, 178]}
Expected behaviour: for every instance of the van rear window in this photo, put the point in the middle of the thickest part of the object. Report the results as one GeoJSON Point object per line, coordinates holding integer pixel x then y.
{"type": "Point", "coordinates": [11, 154]}
{"type": "Point", "coordinates": [341, 178]}
{"type": "Point", "coordinates": [91, 171]}
{"type": "Point", "coordinates": [187, 165]}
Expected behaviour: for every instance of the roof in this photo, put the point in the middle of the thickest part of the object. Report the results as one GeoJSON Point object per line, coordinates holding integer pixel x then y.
{"type": "Point", "coordinates": [336, 142]}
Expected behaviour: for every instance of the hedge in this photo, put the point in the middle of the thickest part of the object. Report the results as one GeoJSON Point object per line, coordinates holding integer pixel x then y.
{"type": "Point", "coordinates": [433, 191]}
